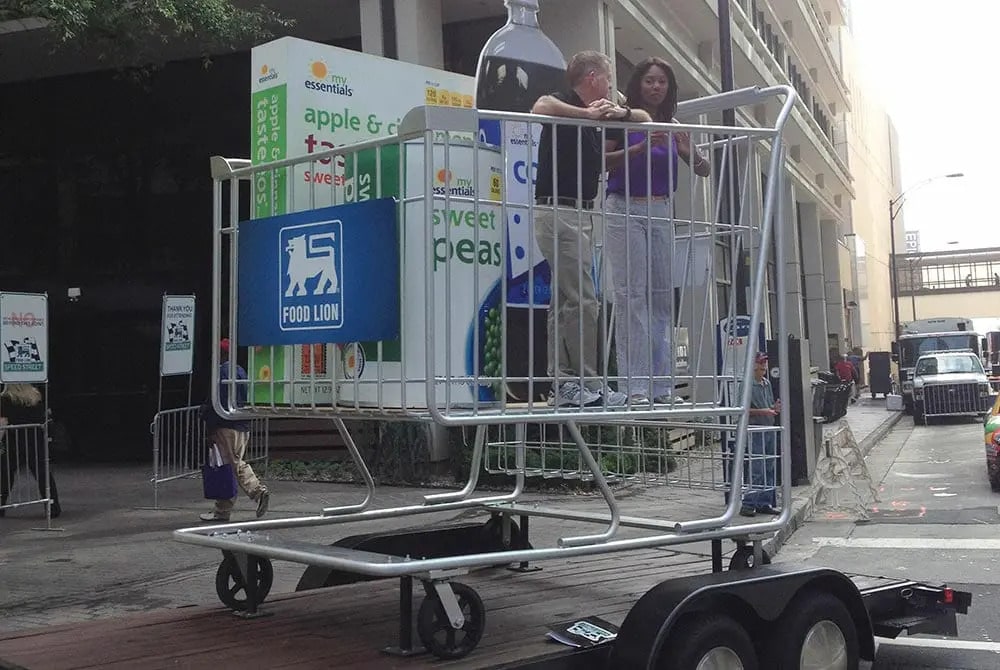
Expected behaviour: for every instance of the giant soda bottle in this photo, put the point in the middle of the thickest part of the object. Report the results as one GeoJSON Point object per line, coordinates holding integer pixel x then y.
{"type": "Point", "coordinates": [518, 65]}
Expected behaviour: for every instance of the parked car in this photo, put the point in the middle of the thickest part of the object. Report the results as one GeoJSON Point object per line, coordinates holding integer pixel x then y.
{"type": "Point", "coordinates": [949, 383]}
{"type": "Point", "coordinates": [991, 435]}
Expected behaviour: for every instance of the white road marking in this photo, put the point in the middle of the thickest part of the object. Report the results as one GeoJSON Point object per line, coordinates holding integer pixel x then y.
{"type": "Point", "coordinates": [907, 543]}
{"type": "Point", "coordinates": [924, 643]}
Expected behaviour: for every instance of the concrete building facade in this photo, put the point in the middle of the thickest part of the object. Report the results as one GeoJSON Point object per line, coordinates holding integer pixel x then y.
{"type": "Point", "coordinates": [94, 194]}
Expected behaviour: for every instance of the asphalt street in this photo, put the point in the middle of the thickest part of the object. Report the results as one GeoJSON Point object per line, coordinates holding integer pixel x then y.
{"type": "Point", "coordinates": [936, 520]}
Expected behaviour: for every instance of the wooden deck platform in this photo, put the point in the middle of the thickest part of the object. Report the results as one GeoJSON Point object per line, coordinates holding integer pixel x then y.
{"type": "Point", "coordinates": [347, 626]}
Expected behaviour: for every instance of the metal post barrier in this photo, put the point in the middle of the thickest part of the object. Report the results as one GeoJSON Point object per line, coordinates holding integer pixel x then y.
{"type": "Point", "coordinates": [24, 456]}
{"type": "Point", "coordinates": [180, 439]}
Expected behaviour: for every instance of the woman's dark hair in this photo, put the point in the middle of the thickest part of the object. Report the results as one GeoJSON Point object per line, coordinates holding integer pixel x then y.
{"type": "Point", "coordinates": [633, 92]}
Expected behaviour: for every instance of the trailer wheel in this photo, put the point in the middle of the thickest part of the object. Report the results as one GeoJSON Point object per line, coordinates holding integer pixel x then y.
{"type": "Point", "coordinates": [708, 641]}
{"type": "Point", "coordinates": [229, 583]}
{"type": "Point", "coordinates": [435, 629]}
{"type": "Point", "coordinates": [743, 559]}
{"type": "Point", "coordinates": [815, 631]}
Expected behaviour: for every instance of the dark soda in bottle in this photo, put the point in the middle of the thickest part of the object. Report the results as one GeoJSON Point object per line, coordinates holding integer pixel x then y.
{"type": "Point", "coordinates": [518, 65]}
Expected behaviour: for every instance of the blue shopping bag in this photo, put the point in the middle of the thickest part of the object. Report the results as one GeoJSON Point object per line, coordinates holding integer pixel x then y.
{"type": "Point", "coordinates": [218, 478]}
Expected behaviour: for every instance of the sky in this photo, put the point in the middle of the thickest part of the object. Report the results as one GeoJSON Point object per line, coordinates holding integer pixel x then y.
{"type": "Point", "coordinates": [932, 64]}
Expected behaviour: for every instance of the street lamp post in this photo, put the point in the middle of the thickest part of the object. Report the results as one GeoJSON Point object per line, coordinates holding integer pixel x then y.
{"type": "Point", "coordinates": [895, 205]}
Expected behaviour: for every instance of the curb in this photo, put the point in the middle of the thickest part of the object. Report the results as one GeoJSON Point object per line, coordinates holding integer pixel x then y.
{"type": "Point", "coordinates": [803, 504]}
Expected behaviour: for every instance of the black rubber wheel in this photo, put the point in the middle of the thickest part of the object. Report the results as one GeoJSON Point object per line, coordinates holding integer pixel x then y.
{"type": "Point", "coordinates": [229, 585]}
{"type": "Point", "coordinates": [918, 414]}
{"type": "Point", "coordinates": [816, 627]}
{"type": "Point", "coordinates": [436, 632]}
{"type": "Point", "coordinates": [715, 640]}
{"type": "Point", "coordinates": [994, 475]}
{"type": "Point", "coordinates": [493, 534]}
{"type": "Point", "coordinates": [743, 559]}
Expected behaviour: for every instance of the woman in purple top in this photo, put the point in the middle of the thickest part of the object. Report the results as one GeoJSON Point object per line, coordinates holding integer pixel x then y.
{"type": "Point", "coordinates": [640, 232]}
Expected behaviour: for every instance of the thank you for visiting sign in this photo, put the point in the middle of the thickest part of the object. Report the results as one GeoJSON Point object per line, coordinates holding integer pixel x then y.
{"type": "Point", "coordinates": [24, 338]}
{"type": "Point", "coordinates": [177, 335]}
{"type": "Point", "coordinates": [323, 275]}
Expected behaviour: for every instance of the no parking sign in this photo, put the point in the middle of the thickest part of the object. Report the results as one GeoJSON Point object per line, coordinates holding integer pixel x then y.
{"type": "Point", "coordinates": [24, 338]}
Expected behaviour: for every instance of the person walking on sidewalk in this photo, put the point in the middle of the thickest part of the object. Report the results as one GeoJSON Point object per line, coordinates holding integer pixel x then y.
{"type": "Point", "coordinates": [232, 438]}
{"type": "Point", "coordinates": [570, 161]}
{"type": "Point", "coordinates": [848, 374]}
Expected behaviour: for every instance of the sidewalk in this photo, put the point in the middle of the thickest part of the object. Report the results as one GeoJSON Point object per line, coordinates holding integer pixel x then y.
{"type": "Point", "coordinates": [113, 555]}
{"type": "Point", "coordinates": [869, 421]}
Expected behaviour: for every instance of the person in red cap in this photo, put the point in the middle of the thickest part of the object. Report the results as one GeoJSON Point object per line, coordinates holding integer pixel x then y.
{"type": "Point", "coordinates": [232, 437]}
{"type": "Point", "coordinates": [762, 448]}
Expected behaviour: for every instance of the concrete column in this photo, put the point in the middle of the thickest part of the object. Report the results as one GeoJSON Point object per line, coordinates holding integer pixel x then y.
{"type": "Point", "coordinates": [813, 271]}
{"type": "Point", "coordinates": [419, 37]}
{"type": "Point", "coordinates": [793, 267]}
{"type": "Point", "coordinates": [578, 25]}
{"type": "Point", "coordinates": [803, 428]}
{"type": "Point", "coordinates": [372, 36]}
{"type": "Point", "coordinates": [833, 251]}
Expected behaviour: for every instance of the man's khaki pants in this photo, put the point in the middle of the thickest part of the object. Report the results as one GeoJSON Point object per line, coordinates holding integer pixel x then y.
{"type": "Point", "coordinates": [564, 237]}
{"type": "Point", "coordinates": [233, 446]}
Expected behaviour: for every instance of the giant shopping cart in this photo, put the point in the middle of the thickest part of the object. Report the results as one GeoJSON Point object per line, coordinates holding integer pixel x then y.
{"type": "Point", "coordinates": [413, 258]}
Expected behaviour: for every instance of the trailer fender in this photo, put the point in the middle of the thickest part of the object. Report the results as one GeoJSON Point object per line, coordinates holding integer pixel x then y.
{"type": "Point", "coordinates": [753, 597]}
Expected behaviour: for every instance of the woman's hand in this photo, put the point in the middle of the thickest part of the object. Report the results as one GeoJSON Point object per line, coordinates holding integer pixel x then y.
{"type": "Point", "coordinates": [683, 141]}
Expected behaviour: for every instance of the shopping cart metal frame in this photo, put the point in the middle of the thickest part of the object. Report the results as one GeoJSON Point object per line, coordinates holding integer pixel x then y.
{"type": "Point", "coordinates": [248, 547]}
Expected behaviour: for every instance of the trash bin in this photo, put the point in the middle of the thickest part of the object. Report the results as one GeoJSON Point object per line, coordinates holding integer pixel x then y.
{"type": "Point", "coordinates": [879, 376]}
{"type": "Point", "coordinates": [835, 400]}
{"type": "Point", "coordinates": [818, 396]}
{"type": "Point", "coordinates": [828, 377]}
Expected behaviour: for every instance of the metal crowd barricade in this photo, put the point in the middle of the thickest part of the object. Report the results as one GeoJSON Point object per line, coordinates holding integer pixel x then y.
{"type": "Point", "coordinates": [24, 455]}
{"type": "Point", "coordinates": [467, 358]}
{"type": "Point", "coordinates": [955, 399]}
{"type": "Point", "coordinates": [180, 442]}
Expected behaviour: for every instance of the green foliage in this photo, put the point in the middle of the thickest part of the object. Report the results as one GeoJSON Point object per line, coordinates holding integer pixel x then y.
{"type": "Point", "coordinates": [129, 30]}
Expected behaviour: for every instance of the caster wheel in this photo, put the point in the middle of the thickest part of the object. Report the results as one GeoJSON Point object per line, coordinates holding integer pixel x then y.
{"type": "Point", "coordinates": [743, 559]}
{"type": "Point", "coordinates": [436, 632]}
{"type": "Point", "coordinates": [229, 584]}
{"type": "Point", "coordinates": [493, 535]}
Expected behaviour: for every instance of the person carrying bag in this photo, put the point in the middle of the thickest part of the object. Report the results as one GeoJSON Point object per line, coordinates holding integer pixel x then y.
{"type": "Point", "coordinates": [218, 477]}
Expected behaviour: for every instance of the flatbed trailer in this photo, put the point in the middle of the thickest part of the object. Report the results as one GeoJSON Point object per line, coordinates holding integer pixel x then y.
{"type": "Point", "coordinates": [745, 615]}
{"type": "Point", "coordinates": [879, 607]}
